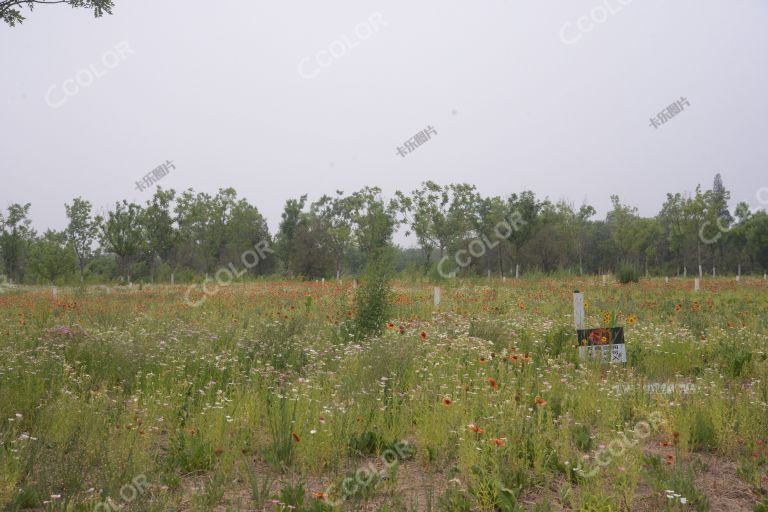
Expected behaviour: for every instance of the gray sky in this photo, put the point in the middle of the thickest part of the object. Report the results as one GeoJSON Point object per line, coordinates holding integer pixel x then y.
{"type": "Point", "coordinates": [277, 99]}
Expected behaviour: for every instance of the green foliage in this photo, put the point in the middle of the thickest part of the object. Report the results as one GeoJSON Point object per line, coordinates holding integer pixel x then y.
{"type": "Point", "coordinates": [675, 477]}
{"type": "Point", "coordinates": [51, 258]}
{"type": "Point", "coordinates": [11, 14]}
{"type": "Point", "coordinates": [373, 298]}
{"type": "Point", "coordinates": [627, 274]}
{"type": "Point", "coordinates": [281, 414]}
{"type": "Point", "coordinates": [454, 500]}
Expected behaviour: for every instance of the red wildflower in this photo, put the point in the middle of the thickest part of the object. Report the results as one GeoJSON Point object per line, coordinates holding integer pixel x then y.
{"type": "Point", "coordinates": [296, 437]}
{"type": "Point", "coordinates": [493, 383]}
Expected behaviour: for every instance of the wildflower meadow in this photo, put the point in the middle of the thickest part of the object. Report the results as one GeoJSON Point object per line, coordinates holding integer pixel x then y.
{"type": "Point", "coordinates": [262, 398]}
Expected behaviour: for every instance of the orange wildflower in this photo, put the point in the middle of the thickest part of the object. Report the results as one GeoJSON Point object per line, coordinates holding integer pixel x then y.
{"type": "Point", "coordinates": [296, 437]}
{"type": "Point", "coordinates": [474, 428]}
{"type": "Point", "coordinates": [493, 383]}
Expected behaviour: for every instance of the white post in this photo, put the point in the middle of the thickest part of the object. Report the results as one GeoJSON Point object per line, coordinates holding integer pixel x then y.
{"type": "Point", "coordinates": [172, 278]}
{"type": "Point", "coordinates": [605, 279]}
{"type": "Point", "coordinates": [437, 295]}
{"type": "Point", "coordinates": [701, 272]}
{"type": "Point", "coordinates": [354, 284]}
{"type": "Point", "coordinates": [666, 280]}
{"type": "Point", "coordinates": [696, 284]}
{"type": "Point", "coordinates": [578, 309]}
{"type": "Point", "coordinates": [685, 271]}
{"type": "Point", "coordinates": [323, 281]}
{"type": "Point", "coordinates": [517, 271]}
{"type": "Point", "coordinates": [54, 291]}
{"type": "Point", "coordinates": [713, 271]}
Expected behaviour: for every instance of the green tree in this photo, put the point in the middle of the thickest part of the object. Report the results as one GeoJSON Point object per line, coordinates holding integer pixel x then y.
{"type": "Point", "coordinates": [15, 236]}
{"type": "Point", "coordinates": [52, 257]}
{"type": "Point", "coordinates": [10, 10]}
{"type": "Point", "coordinates": [439, 216]}
{"type": "Point", "coordinates": [121, 234]}
{"type": "Point", "coordinates": [286, 231]}
{"type": "Point", "coordinates": [374, 221]}
{"type": "Point", "coordinates": [158, 228]}
{"type": "Point", "coordinates": [335, 217]}
{"type": "Point", "coordinates": [81, 232]}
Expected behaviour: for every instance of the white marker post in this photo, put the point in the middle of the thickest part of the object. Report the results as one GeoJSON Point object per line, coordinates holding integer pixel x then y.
{"type": "Point", "coordinates": [696, 284]}
{"type": "Point", "coordinates": [605, 279]}
{"type": "Point", "coordinates": [517, 271]}
{"type": "Point", "coordinates": [701, 272]}
{"type": "Point", "coordinates": [666, 280]}
{"type": "Point", "coordinates": [578, 309]}
{"type": "Point", "coordinates": [354, 284]}
{"type": "Point", "coordinates": [437, 296]}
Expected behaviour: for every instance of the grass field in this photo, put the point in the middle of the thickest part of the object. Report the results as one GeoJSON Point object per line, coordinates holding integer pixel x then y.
{"type": "Point", "coordinates": [131, 399]}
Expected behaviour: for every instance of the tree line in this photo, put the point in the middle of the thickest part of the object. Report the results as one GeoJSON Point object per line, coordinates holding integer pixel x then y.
{"type": "Point", "coordinates": [181, 236]}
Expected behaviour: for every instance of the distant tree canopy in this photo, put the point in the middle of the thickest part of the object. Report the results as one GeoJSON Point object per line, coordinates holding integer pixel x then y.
{"type": "Point", "coordinates": [455, 228]}
{"type": "Point", "coordinates": [11, 12]}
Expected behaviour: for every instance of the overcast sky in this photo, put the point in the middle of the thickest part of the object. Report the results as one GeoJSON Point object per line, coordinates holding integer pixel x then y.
{"type": "Point", "coordinates": [278, 99]}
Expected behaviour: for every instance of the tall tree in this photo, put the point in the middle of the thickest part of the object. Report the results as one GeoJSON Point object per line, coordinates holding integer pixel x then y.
{"type": "Point", "coordinates": [81, 231]}
{"type": "Point", "coordinates": [286, 232]}
{"type": "Point", "coordinates": [52, 257]}
{"type": "Point", "coordinates": [373, 219]}
{"type": "Point", "coordinates": [15, 236]}
{"type": "Point", "coordinates": [121, 235]}
{"type": "Point", "coordinates": [159, 232]}
{"type": "Point", "coordinates": [335, 216]}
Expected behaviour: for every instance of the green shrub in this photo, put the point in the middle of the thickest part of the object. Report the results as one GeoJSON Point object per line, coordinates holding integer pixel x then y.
{"type": "Point", "coordinates": [628, 274]}
{"type": "Point", "coordinates": [373, 304]}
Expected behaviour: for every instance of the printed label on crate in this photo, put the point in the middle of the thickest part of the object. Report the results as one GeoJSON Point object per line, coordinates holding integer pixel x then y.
{"type": "Point", "coordinates": [604, 343]}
